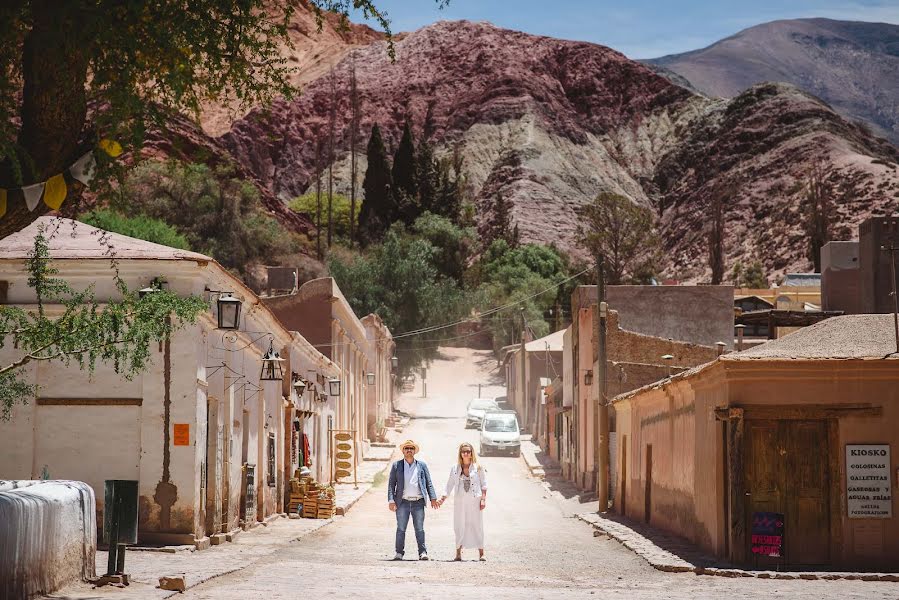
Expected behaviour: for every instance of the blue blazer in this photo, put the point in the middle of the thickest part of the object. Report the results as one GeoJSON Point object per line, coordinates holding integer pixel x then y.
{"type": "Point", "coordinates": [397, 481]}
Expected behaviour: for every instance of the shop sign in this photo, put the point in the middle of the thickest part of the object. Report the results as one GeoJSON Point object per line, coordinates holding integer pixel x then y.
{"type": "Point", "coordinates": [868, 481]}
{"type": "Point", "coordinates": [767, 534]}
{"type": "Point", "coordinates": [181, 434]}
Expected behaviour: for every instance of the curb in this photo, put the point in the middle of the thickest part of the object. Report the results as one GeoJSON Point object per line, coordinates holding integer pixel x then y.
{"type": "Point", "coordinates": [663, 560]}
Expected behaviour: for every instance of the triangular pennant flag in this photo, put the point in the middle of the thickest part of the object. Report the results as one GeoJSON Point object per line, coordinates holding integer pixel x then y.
{"type": "Point", "coordinates": [2, 202]}
{"type": "Point", "coordinates": [83, 169]}
{"type": "Point", "coordinates": [110, 147]}
{"type": "Point", "coordinates": [55, 192]}
{"type": "Point", "coordinates": [33, 195]}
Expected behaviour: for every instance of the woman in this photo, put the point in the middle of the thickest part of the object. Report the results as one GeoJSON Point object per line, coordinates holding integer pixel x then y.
{"type": "Point", "coordinates": [468, 485]}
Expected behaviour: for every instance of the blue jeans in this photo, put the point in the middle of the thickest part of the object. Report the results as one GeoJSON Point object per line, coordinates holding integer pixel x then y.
{"type": "Point", "coordinates": [417, 509]}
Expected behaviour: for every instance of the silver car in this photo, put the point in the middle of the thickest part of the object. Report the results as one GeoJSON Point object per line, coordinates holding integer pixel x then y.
{"type": "Point", "coordinates": [476, 410]}
{"type": "Point", "coordinates": [500, 433]}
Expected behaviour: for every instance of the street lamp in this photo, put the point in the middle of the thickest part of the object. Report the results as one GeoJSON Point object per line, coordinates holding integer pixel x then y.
{"type": "Point", "coordinates": [228, 311]}
{"type": "Point", "coordinates": [334, 387]}
{"type": "Point", "coordinates": [370, 378]}
{"type": "Point", "coordinates": [394, 362]}
{"type": "Point", "coordinates": [588, 377]}
{"type": "Point", "coordinates": [271, 365]}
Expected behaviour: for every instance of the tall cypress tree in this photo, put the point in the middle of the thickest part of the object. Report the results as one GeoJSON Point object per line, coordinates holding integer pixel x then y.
{"type": "Point", "coordinates": [427, 177]}
{"type": "Point", "coordinates": [376, 212]}
{"type": "Point", "coordinates": [405, 190]}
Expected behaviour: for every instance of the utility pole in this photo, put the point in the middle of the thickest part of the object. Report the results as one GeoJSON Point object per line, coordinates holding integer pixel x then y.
{"type": "Point", "coordinates": [602, 407]}
{"type": "Point", "coordinates": [524, 363]}
{"type": "Point", "coordinates": [892, 248]}
{"type": "Point", "coordinates": [354, 130]}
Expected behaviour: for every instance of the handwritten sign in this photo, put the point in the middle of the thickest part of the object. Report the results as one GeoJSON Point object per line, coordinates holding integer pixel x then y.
{"type": "Point", "coordinates": [868, 481]}
{"type": "Point", "coordinates": [767, 534]}
{"type": "Point", "coordinates": [182, 434]}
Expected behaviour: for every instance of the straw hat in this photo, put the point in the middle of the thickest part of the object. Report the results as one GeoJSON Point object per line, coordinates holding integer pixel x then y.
{"type": "Point", "coordinates": [409, 443]}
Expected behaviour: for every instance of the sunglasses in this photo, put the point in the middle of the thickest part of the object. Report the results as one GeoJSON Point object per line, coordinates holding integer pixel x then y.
{"type": "Point", "coordinates": [408, 449]}
{"type": "Point", "coordinates": [466, 451]}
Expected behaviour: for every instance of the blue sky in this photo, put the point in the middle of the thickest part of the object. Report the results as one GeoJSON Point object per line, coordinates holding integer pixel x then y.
{"type": "Point", "coordinates": [638, 28]}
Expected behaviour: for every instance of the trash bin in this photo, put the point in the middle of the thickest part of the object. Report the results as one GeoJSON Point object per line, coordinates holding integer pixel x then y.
{"type": "Point", "coordinates": [119, 522]}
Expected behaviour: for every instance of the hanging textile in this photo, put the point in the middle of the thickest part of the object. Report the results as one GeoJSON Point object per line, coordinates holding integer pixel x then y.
{"type": "Point", "coordinates": [55, 191]}
{"type": "Point", "coordinates": [83, 169]}
{"type": "Point", "coordinates": [33, 195]}
{"type": "Point", "coordinates": [307, 454]}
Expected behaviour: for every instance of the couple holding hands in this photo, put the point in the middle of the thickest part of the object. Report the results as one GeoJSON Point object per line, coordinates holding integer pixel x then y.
{"type": "Point", "coordinates": [410, 486]}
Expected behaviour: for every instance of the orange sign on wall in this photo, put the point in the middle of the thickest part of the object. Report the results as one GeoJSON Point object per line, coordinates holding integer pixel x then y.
{"type": "Point", "coordinates": [182, 434]}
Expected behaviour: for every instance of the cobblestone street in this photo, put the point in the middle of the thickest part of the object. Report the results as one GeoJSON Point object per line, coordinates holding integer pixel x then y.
{"type": "Point", "coordinates": [536, 548]}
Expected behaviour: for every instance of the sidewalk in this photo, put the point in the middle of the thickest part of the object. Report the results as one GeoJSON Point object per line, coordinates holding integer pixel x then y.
{"type": "Point", "coordinates": [146, 566]}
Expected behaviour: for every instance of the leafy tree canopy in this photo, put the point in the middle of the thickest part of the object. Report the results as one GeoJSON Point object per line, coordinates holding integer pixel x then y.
{"type": "Point", "coordinates": [340, 206]}
{"type": "Point", "coordinates": [140, 227]}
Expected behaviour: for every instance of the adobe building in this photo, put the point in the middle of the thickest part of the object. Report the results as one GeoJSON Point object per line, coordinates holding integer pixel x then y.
{"type": "Point", "coordinates": [380, 378]}
{"type": "Point", "coordinates": [875, 274]}
{"type": "Point", "coordinates": [781, 456]}
{"type": "Point", "coordinates": [320, 313]}
{"type": "Point", "coordinates": [840, 277]}
{"type": "Point", "coordinates": [544, 362]}
{"type": "Point", "coordinates": [210, 441]}
{"type": "Point", "coordinates": [633, 359]}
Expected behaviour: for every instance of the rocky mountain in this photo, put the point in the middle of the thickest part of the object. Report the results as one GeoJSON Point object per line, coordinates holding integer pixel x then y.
{"type": "Point", "coordinates": [853, 66]}
{"type": "Point", "coordinates": [550, 123]}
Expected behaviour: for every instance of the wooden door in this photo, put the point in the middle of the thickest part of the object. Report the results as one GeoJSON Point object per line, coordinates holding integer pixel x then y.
{"type": "Point", "coordinates": [786, 473]}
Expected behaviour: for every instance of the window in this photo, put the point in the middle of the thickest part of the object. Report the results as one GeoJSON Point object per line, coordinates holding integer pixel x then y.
{"type": "Point", "coordinates": [501, 424]}
{"type": "Point", "coordinates": [271, 460]}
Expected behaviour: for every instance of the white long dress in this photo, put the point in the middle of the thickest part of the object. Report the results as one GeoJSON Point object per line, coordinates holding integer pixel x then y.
{"type": "Point", "coordinates": [468, 518]}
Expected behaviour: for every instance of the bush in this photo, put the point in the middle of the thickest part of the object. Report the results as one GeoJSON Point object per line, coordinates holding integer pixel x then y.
{"type": "Point", "coordinates": [140, 227]}
{"type": "Point", "coordinates": [340, 211]}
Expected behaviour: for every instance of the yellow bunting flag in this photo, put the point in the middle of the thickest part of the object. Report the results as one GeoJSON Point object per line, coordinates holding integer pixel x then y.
{"type": "Point", "coordinates": [2, 202]}
{"type": "Point", "coordinates": [110, 147]}
{"type": "Point", "coordinates": [55, 191]}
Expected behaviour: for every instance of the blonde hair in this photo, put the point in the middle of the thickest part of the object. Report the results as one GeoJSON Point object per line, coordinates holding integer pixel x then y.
{"type": "Point", "coordinates": [474, 456]}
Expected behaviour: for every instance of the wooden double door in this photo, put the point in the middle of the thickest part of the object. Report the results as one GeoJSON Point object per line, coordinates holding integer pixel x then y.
{"type": "Point", "coordinates": [787, 472]}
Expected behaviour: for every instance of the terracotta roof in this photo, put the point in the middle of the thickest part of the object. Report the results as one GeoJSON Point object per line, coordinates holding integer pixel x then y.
{"type": "Point", "coordinates": [70, 239]}
{"type": "Point", "coordinates": [845, 337]}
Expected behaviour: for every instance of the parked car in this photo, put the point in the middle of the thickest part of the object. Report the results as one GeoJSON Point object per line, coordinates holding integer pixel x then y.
{"type": "Point", "coordinates": [503, 403]}
{"type": "Point", "coordinates": [476, 410]}
{"type": "Point", "coordinates": [500, 433]}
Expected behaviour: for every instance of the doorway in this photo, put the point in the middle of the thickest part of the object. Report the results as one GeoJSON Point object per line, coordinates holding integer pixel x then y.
{"type": "Point", "coordinates": [787, 473]}
{"type": "Point", "coordinates": [647, 492]}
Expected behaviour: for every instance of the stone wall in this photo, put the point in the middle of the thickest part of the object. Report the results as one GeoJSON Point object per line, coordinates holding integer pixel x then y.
{"type": "Point", "coordinates": [48, 536]}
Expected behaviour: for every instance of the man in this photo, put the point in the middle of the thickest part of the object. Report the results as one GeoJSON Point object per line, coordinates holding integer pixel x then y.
{"type": "Point", "coordinates": [408, 487]}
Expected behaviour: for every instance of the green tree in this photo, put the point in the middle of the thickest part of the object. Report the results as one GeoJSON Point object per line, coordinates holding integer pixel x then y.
{"type": "Point", "coordinates": [218, 213]}
{"type": "Point", "coordinates": [752, 277]}
{"type": "Point", "coordinates": [817, 209]}
{"type": "Point", "coordinates": [527, 277]}
{"type": "Point", "coordinates": [137, 61]}
{"type": "Point", "coordinates": [612, 225]}
{"type": "Point", "coordinates": [376, 212]}
{"type": "Point", "coordinates": [116, 332]}
{"type": "Point", "coordinates": [398, 280]}
{"type": "Point", "coordinates": [499, 223]}
{"type": "Point", "coordinates": [454, 244]}
{"type": "Point", "coordinates": [427, 177]}
{"type": "Point", "coordinates": [307, 204]}
{"type": "Point", "coordinates": [139, 226]}
{"type": "Point", "coordinates": [405, 166]}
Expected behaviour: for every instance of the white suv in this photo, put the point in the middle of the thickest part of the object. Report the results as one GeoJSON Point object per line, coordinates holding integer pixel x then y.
{"type": "Point", "coordinates": [500, 433]}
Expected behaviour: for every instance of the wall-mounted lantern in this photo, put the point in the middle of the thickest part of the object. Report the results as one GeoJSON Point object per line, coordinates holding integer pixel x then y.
{"type": "Point", "coordinates": [299, 384]}
{"type": "Point", "coordinates": [271, 365]}
{"type": "Point", "coordinates": [370, 378]}
{"type": "Point", "coordinates": [334, 387]}
{"type": "Point", "coordinates": [394, 363]}
{"type": "Point", "coordinates": [228, 311]}
{"type": "Point", "coordinates": [588, 377]}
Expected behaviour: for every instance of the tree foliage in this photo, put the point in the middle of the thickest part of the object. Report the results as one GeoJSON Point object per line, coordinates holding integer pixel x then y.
{"type": "Point", "coordinates": [376, 213]}
{"type": "Point", "coordinates": [454, 244]}
{"type": "Point", "coordinates": [498, 225]}
{"type": "Point", "coordinates": [399, 280]}
{"type": "Point", "coordinates": [141, 227]}
{"type": "Point", "coordinates": [82, 329]}
{"type": "Point", "coordinates": [528, 276]}
{"type": "Point", "coordinates": [307, 204]}
{"type": "Point", "coordinates": [218, 213]}
{"type": "Point", "coordinates": [752, 276]}
{"type": "Point", "coordinates": [612, 225]}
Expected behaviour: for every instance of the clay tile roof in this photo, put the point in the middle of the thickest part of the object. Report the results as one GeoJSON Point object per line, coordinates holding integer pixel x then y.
{"type": "Point", "coordinates": [845, 337]}
{"type": "Point", "coordinates": [70, 239]}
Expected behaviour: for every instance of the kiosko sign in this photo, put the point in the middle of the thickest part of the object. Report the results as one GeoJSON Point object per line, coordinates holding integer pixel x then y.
{"type": "Point", "coordinates": [868, 482]}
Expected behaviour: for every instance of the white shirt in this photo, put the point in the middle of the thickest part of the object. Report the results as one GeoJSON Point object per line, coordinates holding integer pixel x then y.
{"type": "Point", "coordinates": [411, 486]}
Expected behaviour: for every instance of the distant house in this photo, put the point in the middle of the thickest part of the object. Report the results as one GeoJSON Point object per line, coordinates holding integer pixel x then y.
{"type": "Point", "coordinates": [800, 430]}
{"type": "Point", "coordinates": [746, 304]}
